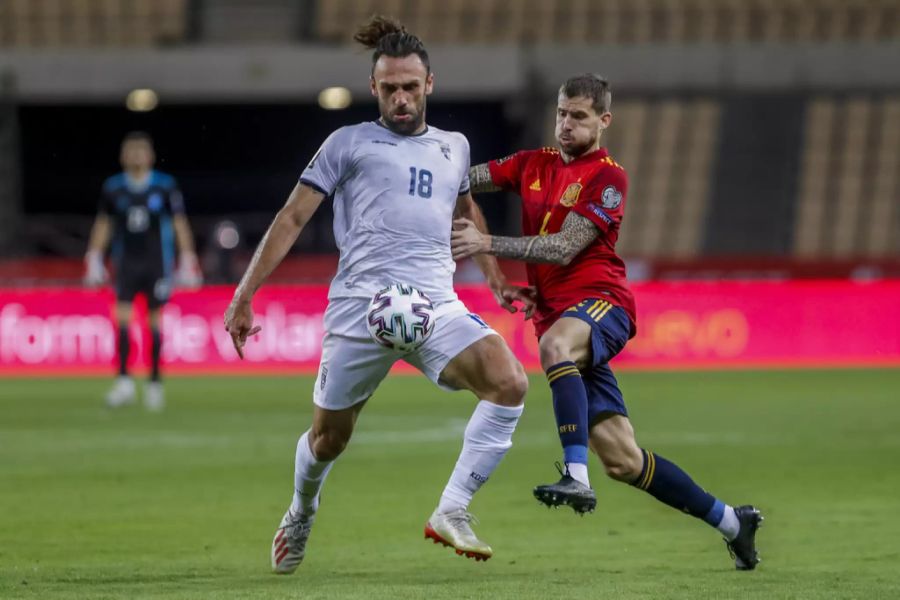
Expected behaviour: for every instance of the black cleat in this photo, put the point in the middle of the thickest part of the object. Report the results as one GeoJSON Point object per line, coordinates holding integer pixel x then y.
{"type": "Point", "coordinates": [743, 547]}
{"type": "Point", "coordinates": [567, 492]}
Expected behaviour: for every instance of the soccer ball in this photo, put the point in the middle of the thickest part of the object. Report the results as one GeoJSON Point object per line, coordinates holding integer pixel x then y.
{"type": "Point", "coordinates": [400, 317]}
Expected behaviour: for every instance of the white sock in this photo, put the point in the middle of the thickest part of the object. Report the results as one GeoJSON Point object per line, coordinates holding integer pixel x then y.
{"type": "Point", "coordinates": [579, 472]}
{"type": "Point", "coordinates": [487, 438]}
{"type": "Point", "coordinates": [729, 526]}
{"type": "Point", "coordinates": [309, 475]}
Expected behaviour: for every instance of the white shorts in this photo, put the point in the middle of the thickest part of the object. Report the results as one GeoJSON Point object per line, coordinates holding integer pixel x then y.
{"type": "Point", "coordinates": [353, 365]}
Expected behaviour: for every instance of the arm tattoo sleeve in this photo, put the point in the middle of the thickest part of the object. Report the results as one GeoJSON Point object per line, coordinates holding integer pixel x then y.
{"type": "Point", "coordinates": [558, 248]}
{"type": "Point", "coordinates": [480, 179]}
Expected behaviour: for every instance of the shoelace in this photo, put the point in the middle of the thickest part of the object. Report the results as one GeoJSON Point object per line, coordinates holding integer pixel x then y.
{"type": "Point", "coordinates": [730, 549]}
{"type": "Point", "coordinates": [462, 518]}
{"type": "Point", "coordinates": [297, 530]}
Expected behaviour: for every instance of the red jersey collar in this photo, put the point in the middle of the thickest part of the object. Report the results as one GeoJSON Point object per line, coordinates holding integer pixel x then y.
{"type": "Point", "coordinates": [598, 154]}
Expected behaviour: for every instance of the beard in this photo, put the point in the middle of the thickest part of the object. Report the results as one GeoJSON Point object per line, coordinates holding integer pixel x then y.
{"type": "Point", "coordinates": [575, 149]}
{"type": "Point", "coordinates": [406, 127]}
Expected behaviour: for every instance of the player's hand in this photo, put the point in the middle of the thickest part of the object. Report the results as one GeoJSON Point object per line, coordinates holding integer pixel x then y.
{"type": "Point", "coordinates": [466, 240]}
{"type": "Point", "coordinates": [527, 295]}
{"type": "Point", "coordinates": [507, 294]}
{"type": "Point", "coordinates": [189, 274]}
{"type": "Point", "coordinates": [239, 324]}
{"type": "Point", "coordinates": [95, 273]}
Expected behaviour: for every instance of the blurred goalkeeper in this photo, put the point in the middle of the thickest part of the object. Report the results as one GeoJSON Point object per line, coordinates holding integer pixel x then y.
{"type": "Point", "coordinates": [141, 216]}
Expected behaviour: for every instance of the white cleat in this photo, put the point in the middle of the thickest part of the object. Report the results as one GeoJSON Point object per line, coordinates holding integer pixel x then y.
{"type": "Point", "coordinates": [154, 396]}
{"type": "Point", "coordinates": [453, 529]}
{"type": "Point", "coordinates": [122, 392]}
{"type": "Point", "coordinates": [289, 544]}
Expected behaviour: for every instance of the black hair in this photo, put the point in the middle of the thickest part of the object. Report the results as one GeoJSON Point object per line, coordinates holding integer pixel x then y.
{"type": "Point", "coordinates": [137, 136]}
{"type": "Point", "coordinates": [387, 37]}
{"type": "Point", "coordinates": [590, 86]}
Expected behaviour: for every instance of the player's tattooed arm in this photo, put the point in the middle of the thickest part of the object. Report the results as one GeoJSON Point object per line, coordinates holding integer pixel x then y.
{"type": "Point", "coordinates": [557, 248]}
{"type": "Point", "coordinates": [480, 179]}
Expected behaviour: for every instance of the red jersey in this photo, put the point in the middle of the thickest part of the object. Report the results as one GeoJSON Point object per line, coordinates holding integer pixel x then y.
{"type": "Point", "coordinates": [594, 186]}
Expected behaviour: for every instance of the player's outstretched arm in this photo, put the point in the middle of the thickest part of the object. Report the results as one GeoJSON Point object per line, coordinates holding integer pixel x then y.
{"type": "Point", "coordinates": [505, 294]}
{"type": "Point", "coordinates": [279, 238]}
{"type": "Point", "coordinates": [95, 272]}
{"type": "Point", "coordinates": [480, 179]}
{"type": "Point", "coordinates": [576, 234]}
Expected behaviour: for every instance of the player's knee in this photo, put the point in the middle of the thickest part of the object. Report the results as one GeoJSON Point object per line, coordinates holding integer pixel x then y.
{"type": "Point", "coordinates": [327, 444]}
{"type": "Point", "coordinates": [509, 387]}
{"type": "Point", "coordinates": [621, 463]}
{"type": "Point", "coordinates": [553, 350]}
{"type": "Point", "coordinates": [621, 469]}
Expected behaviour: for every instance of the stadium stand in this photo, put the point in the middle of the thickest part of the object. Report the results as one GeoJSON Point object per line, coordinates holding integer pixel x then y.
{"type": "Point", "coordinates": [847, 201]}
{"type": "Point", "coordinates": [623, 21]}
{"type": "Point", "coordinates": [92, 23]}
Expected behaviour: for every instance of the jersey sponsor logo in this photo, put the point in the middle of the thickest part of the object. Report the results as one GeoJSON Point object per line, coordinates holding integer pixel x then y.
{"type": "Point", "coordinates": [610, 197]}
{"type": "Point", "coordinates": [137, 219]}
{"type": "Point", "coordinates": [385, 142]}
{"type": "Point", "coordinates": [323, 378]}
{"type": "Point", "coordinates": [570, 196]}
{"type": "Point", "coordinates": [445, 150]}
{"type": "Point", "coordinates": [597, 210]}
{"type": "Point", "coordinates": [535, 185]}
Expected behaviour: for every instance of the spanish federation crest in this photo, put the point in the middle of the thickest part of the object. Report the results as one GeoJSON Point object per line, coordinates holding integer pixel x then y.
{"type": "Point", "coordinates": [570, 196]}
{"type": "Point", "coordinates": [445, 150]}
{"type": "Point", "coordinates": [611, 197]}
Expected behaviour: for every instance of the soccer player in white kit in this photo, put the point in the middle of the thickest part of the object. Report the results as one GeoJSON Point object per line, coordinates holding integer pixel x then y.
{"type": "Point", "coordinates": [396, 185]}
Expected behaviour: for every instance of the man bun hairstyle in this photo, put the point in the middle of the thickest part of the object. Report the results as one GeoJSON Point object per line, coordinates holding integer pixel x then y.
{"type": "Point", "coordinates": [387, 37]}
{"type": "Point", "coordinates": [590, 86]}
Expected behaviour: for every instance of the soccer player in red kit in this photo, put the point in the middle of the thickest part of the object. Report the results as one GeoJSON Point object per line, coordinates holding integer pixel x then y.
{"type": "Point", "coordinates": [573, 201]}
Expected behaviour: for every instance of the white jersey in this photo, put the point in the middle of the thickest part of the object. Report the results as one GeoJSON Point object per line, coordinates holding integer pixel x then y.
{"type": "Point", "coordinates": [394, 197]}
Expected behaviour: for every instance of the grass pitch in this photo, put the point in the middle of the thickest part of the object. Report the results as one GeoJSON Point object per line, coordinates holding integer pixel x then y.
{"type": "Point", "coordinates": [126, 504]}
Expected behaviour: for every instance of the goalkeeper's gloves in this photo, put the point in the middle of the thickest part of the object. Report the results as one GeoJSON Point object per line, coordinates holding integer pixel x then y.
{"type": "Point", "coordinates": [188, 274]}
{"type": "Point", "coordinates": [95, 273]}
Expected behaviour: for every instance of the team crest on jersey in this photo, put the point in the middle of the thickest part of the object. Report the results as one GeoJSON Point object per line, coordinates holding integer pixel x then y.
{"type": "Point", "coordinates": [445, 150]}
{"type": "Point", "coordinates": [610, 197]}
{"type": "Point", "coordinates": [570, 196]}
{"type": "Point", "coordinates": [154, 203]}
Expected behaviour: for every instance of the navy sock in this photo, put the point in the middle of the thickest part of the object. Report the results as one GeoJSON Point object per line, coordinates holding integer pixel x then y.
{"type": "Point", "coordinates": [124, 349]}
{"type": "Point", "coordinates": [156, 350]}
{"type": "Point", "coordinates": [670, 485]}
{"type": "Point", "coordinates": [570, 408]}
